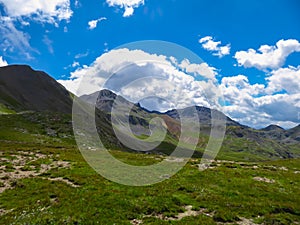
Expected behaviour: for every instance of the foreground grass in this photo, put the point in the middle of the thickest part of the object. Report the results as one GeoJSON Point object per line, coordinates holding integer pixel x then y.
{"type": "Point", "coordinates": [263, 192]}
{"type": "Point", "coordinates": [226, 192]}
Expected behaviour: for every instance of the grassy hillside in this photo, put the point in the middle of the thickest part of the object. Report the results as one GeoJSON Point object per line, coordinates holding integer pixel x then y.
{"type": "Point", "coordinates": [55, 129]}
{"type": "Point", "coordinates": [45, 180]}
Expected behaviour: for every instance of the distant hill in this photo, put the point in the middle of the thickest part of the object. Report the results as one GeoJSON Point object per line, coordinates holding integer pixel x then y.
{"type": "Point", "coordinates": [22, 88]}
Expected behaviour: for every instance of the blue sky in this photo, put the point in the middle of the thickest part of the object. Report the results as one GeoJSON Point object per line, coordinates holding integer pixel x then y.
{"type": "Point", "coordinates": [61, 39]}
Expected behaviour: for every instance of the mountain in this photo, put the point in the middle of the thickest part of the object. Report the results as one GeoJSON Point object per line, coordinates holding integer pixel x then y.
{"type": "Point", "coordinates": [240, 141]}
{"type": "Point", "coordinates": [23, 89]}
{"type": "Point", "coordinates": [204, 114]}
{"type": "Point", "coordinates": [138, 118]}
{"type": "Point", "coordinates": [273, 127]}
{"type": "Point", "coordinates": [294, 134]}
{"type": "Point", "coordinates": [104, 100]}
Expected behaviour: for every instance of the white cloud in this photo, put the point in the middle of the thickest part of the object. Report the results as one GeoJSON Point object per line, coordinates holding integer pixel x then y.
{"type": "Point", "coordinates": [137, 74]}
{"type": "Point", "coordinates": [268, 57]}
{"type": "Point", "coordinates": [215, 46]}
{"type": "Point", "coordinates": [128, 11]}
{"type": "Point", "coordinates": [284, 79]}
{"type": "Point", "coordinates": [13, 40]}
{"type": "Point", "coordinates": [178, 84]}
{"type": "Point", "coordinates": [24, 12]}
{"type": "Point", "coordinates": [259, 105]}
{"type": "Point", "coordinates": [276, 101]}
{"type": "Point", "coordinates": [202, 69]}
{"type": "Point", "coordinates": [39, 10]}
{"type": "Point", "coordinates": [75, 64]}
{"type": "Point", "coordinates": [128, 5]}
{"type": "Point", "coordinates": [2, 62]}
{"type": "Point", "coordinates": [238, 91]}
{"type": "Point", "coordinates": [77, 4]}
{"type": "Point", "coordinates": [48, 43]}
{"type": "Point", "coordinates": [81, 55]}
{"type": "Point", "coordinates": [93, 23]}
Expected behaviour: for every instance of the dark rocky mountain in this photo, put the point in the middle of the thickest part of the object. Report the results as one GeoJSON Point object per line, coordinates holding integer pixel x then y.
{"type": "Point", "coordinates": [273, 127]}
{"type": "Point", "coordinates": [22, 88]}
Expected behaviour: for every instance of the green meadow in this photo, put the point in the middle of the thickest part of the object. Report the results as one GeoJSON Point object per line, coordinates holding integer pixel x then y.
{"type": "Point", "coordinates": [45, 180]}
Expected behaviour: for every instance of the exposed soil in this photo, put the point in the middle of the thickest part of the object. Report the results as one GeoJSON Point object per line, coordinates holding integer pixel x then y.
{"type": "Point", "coordinates": [17, 166]}
{"type": "Point", "coordinates": [264, 179]}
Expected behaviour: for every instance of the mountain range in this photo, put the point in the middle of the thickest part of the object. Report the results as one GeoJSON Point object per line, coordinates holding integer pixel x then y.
{"type": "Point", "coordinates": [24, 89]}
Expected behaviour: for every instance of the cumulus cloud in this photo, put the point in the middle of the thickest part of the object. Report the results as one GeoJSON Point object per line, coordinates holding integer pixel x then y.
{"type": "Point", "coordinates": [136, 74]}
{"type": "Point", "coordinates": [277, 100]}
{"type": "Point", "coordinates": [238, 91]}
{"type": "Point", "coordinates": [284, 79]}
{"type": "Point", "coordinates": [93, 23]}
{"type": "Point", "coordinates": [214, 46]}
{"type": "Point", "coordinates": [40, 10]}
{"type": "Point", "coordinates": [268, 57]}
{"type": "Point", "coordinates": [259, 105]}
{"type": "Point", "coordinates": [2, 62]}
{"type": "Point", "coordinates": [127, 5]}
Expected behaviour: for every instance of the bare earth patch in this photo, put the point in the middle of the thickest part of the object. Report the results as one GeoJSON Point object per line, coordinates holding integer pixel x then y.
{"type": "Point", "coordinates": [136, 222]}
{"type": "Point", "coordinates": [64, 180]}
{"type": "Point", "coordinates": [180, 216]}
{"type": "Point", "coordinates": [3, 211]}
{"type": "Point", "coordinates": [211, 164]}
{"type": "Point", "coordinates": [15, 166]}
{"type": "Point", "coordinates": [190, 212]}
{"type": "Point", "coordinates": [242, 221]}
{"type": "Point", "coordinates": [264, 179]}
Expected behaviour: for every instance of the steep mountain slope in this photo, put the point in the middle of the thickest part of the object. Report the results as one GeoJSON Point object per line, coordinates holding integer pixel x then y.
{"type": "Point", "coordinates": [22, 88]}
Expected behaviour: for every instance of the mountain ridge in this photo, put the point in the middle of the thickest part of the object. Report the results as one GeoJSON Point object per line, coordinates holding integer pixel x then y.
{"type": "Point", "coordinates": [272, 142]}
